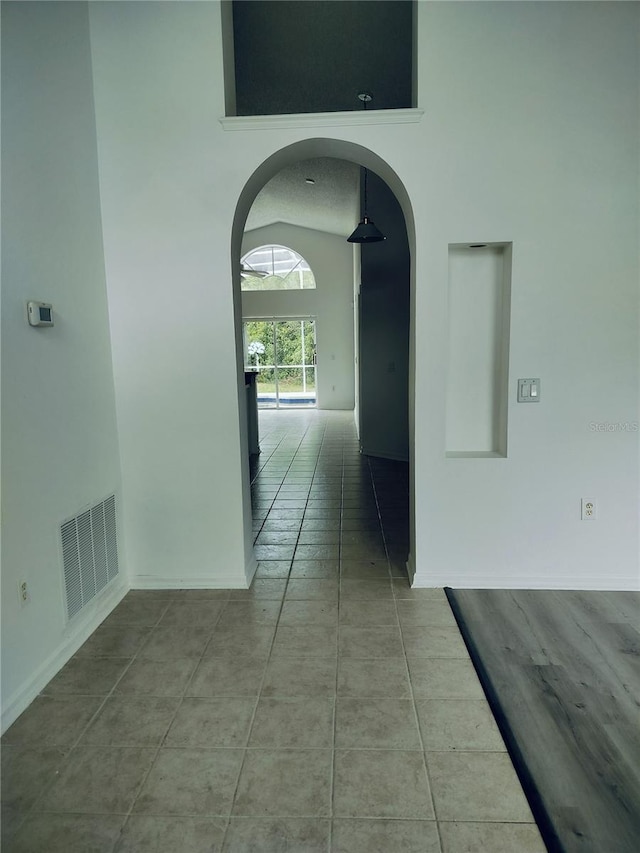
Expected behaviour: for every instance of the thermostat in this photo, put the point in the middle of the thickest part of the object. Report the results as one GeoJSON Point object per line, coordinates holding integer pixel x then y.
{"type": "Point", "coordinates": [40, 313]}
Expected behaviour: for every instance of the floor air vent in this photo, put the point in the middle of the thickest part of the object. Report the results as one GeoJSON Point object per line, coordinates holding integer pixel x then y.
{"type": "Point", "coordinates": [89, 553]}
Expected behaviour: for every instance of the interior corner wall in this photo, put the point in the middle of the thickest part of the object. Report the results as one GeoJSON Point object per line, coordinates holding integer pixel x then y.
{"type": "Point", "coordinates": [383, 333]}
{"type": "Point", "coordinates": [331, 303]}
{"type": "Point", "coordinates": [167, 208]}
{"type": "Point", "coordinates": [59, 438]}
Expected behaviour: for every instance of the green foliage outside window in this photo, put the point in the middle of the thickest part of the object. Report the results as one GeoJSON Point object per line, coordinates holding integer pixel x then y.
{"type": "Point", "coordinates": [291, 338]}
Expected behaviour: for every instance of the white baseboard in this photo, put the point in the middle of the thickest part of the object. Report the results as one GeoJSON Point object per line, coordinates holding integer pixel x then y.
{"type": "Point", "coordinates": [76, 633]}
{"type": "Point", "coordinates": [384, 454]}
{"type": "Point", "coordinates": [81, 628]}
{"type": "Point", "coordinates": [423, 580]}
{"type": "Point", "coordinates": [411, 569]}
{"type": "Point", "coordinates": [250, 570]}
{"type": "Point", "coordinates": [206, 582]}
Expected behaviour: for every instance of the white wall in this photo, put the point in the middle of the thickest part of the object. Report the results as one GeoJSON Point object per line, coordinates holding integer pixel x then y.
{"type": "Point", "coordinates": [331, 260]}
{"type": "Point", "coordinates": [167, 217]}
{"type": "Point", "coordinates": [59, 440]}
{"type": "Point", "coordinates": [531, 136]}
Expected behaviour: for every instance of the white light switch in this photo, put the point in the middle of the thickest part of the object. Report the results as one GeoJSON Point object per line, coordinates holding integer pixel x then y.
{"type": "Point", "coordinates": [528, 390]}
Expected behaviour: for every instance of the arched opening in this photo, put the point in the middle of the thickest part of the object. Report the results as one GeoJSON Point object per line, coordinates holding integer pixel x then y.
{"type": "Point", "coordinates": [359, 155]}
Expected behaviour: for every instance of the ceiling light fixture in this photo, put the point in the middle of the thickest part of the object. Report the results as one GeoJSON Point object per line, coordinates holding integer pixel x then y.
{"type": "Point", "coordinates": [366, 232]}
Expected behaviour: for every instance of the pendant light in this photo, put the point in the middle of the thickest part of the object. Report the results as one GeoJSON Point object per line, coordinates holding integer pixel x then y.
{"type": "Point", "coordinates": [366, 232]}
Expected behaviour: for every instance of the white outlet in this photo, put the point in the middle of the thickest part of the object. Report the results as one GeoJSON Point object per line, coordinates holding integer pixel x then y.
{"type": "Point", "coordinates": [23, 592]}
{"type": "Point", "coordinates": [588, 509]}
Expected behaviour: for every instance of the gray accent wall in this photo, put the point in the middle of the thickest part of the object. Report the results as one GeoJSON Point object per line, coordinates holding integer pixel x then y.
{"type": "Point", "coordinates": [314, 56]}
{"type": "Point", "coordinates": [383, 318]}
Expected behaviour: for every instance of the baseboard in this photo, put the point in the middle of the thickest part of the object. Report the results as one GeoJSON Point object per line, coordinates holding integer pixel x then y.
{"type": "Point", "coordinates": [250, 569]}
{"type": "Point", "coordinates": [324, 408]}
{"type": "Point", "coordinates": [384, 454]}
{"type": "Point", "coordinates": [205, 582]}
{"type": "Point", "coordinates": [411, 569]}
{"type": "Point", "coordinates": [470, 581]}
{"type": "Point", "coordinates": [82, 627]}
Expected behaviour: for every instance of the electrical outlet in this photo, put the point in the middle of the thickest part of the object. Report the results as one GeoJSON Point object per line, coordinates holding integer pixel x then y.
{"type": "Point", "coordinates": [23, 592]}
{"type": "Point", "coordinates": [588, 509]}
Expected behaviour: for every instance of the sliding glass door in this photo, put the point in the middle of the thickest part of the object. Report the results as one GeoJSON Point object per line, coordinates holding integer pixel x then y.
{"type": "Point", "coordinates": [284, 353]}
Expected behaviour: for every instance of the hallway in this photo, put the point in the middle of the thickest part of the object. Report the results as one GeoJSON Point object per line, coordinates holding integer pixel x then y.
{"type": "Point", "coordinates": [328, 708]}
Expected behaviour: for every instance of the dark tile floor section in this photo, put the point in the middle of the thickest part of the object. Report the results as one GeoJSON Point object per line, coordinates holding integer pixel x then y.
{"type": "Point", "coordinates": [328, 708]}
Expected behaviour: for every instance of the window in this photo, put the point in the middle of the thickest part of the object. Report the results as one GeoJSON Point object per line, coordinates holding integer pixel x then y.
{"type": "Point", "coordinates": [283, 351]}
{"type": "Point", "coordinates": [276, 268]}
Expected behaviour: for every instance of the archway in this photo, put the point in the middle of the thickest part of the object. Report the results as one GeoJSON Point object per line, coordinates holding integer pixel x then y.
{"type": "Point", "coordinates": [303, 150]}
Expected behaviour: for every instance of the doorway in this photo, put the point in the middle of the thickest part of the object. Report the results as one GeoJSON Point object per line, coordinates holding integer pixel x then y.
{"type": "Point", "coordinates": [343, 150]}
{"type": "Point", "coordinates": [283, 351]}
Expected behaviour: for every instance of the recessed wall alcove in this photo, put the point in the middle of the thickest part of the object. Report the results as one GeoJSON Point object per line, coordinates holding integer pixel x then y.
{"type": "Point", "coordinates": [311, 56]}
{"type": "Point", "coordinates": [479, 309]}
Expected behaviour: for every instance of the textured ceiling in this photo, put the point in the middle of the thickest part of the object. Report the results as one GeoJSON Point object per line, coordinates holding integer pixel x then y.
{"type": "Point", "coordinates": [331, 204]}
{"type": "Point", "coordinates": [301, 56]}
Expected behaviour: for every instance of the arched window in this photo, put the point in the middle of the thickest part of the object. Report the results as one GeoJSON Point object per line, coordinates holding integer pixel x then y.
{"type": "Point", "coordinates": [276, 268]}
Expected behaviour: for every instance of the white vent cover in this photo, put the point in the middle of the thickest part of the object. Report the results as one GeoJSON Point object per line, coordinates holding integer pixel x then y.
{"type": "Point", "coordinates": [89, 553]}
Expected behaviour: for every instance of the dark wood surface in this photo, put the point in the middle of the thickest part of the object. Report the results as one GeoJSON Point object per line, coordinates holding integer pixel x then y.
{"type": "Point", "coordinates": [562, 672]}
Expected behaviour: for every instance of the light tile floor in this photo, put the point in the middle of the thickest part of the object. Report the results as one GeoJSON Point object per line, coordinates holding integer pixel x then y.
{"type": "Point", "coordinates": [328, 708]}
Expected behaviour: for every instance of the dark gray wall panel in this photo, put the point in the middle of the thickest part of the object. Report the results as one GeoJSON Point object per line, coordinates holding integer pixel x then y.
{"type": "Point", "coordinates": [315, 56]}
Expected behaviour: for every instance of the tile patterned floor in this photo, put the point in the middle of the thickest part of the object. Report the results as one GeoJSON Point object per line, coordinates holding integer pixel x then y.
{"type": "Point", "coordinates": [328, 708]}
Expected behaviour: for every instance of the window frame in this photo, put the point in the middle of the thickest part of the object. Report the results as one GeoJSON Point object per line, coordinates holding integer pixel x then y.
{"type": "Point", "coordinates": [299, 263]}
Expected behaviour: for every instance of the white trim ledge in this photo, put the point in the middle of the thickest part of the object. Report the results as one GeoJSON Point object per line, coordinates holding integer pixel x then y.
{"type": "Point", "coordinates": [250, 569]}
{"type": "Point", "coordinates": [384, 454]}
{"type": "Point", "coordinates": [557, 582]}
{"type": "Point", "coordinates": [207, 582]}
{"type": "Point", "coordinates": [411, 568]}
{"type": "Point", "coordinates": [355, 118]}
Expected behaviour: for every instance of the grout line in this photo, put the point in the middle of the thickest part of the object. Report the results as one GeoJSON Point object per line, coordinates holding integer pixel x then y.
{"type": "Point", "coordinates": [252, 483]}
{"type": "Point", "coordinates": [332, 771]}
{"type": "Point", "coordinates": [409, 680]}
{"type": "Point", "coordinates": [178, 707]}
{"type": "Point", "coordinates": [74, 746]}
{"type": "Point", "coordinates": [273, 640]}
{"type": "Point", "coordinates": [419, 728]}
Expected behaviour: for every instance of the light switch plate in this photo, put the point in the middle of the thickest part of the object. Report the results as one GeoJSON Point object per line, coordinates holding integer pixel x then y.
{"type": "Point", "coordinates": [528, 390]}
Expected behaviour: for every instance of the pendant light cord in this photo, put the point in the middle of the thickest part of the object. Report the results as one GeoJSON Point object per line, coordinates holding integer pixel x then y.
{"type": "Point", "coordinates": [366, 232]}
{"type": "Point", "coordinates": [365, 191]}
{"type": "Point", "coordinates": [364, 104]}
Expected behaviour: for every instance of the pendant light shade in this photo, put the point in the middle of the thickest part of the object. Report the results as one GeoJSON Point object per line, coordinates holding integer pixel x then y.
{"type": "Point", "coordinates": [366, 232]}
